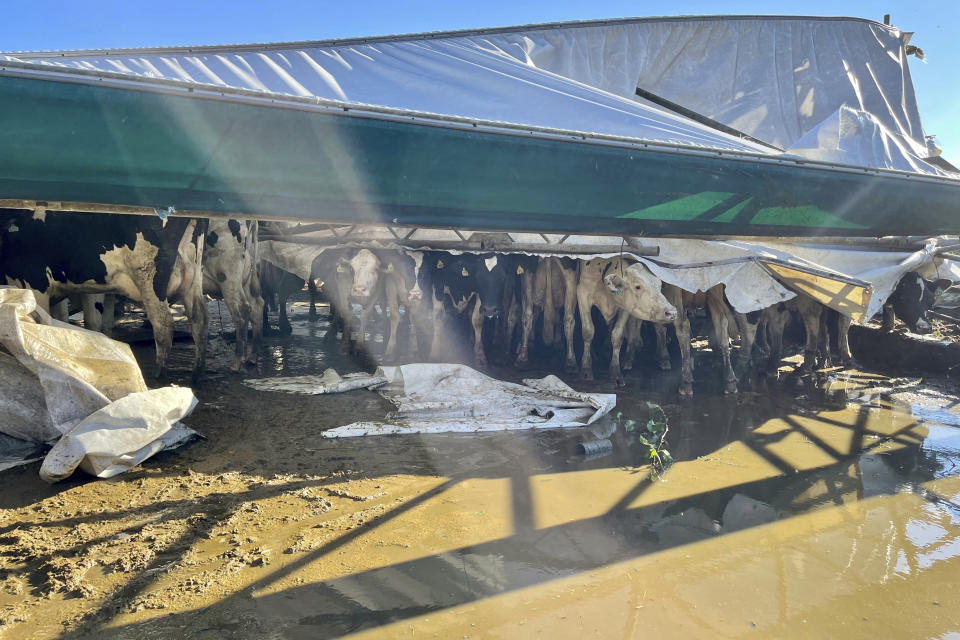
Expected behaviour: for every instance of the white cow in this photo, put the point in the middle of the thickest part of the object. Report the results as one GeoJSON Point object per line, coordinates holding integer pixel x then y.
{"type": "Point", "coordinates": [620, 289]}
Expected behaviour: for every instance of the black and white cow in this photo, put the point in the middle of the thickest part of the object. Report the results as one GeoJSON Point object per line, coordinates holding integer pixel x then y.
{"type": "Point", "coordinates": [144, 258]}
{"type": "Point", "coordinates": [277, 285]}
{"type": "Point", "coordinates": [457, 283]}
{"type": "Point", "coordinates": [911, 301]}
{"type": "Point", "coordinates": [619, 289]}
{"type": "Point", "coordinates": [231, 271]}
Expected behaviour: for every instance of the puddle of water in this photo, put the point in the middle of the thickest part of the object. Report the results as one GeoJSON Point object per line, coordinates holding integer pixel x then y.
{"type": "Point", "coordinates": [804, 506]}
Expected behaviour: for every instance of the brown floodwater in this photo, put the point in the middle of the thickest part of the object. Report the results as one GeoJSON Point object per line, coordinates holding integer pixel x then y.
{"type": "Point", "coordinates": [825, 505]}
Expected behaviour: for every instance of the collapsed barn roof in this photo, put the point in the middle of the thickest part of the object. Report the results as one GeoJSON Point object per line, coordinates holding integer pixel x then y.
{"type": "Point", "coordinates": [836, 89]}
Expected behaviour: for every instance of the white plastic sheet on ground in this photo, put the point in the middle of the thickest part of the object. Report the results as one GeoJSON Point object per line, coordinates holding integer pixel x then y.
{"type": "Point", "coordinates": [78, 386]}
{"type": "Point", "coordinates": [445, 398]}
{"type": "Point", "coordinates": [329, 382]}
{"type": "Point", "coordinates": [453, 398]}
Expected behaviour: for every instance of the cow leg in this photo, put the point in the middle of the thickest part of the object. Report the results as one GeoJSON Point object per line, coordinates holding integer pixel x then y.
{"type": "Point", "coordinates": [843, 341]}
{"type": "Point", "coordinates": [438, 330]}
{"type": "Point", "coordinates": [256, 323]}
{"type": "Point", "coordinates": [413, 340]}
{"type": "Point", "coordinates": [889, 318]}
{"type": "Point", "coordinates": [663, 353]}
{"type": "Point", "coordinates": [747, 326]}
{"type": "Point", "coordinates": [616, 341]}
{"type": "Point", "coordinates": [526, 323]}
{"type": "Point", "coordinates": [810, 312]}
{"type": "Point", "coordinates": [634, 342]}
{"type": "Point", "coordinates": [158, 313]}
{"type": "Point", "coordinates": [312, 315]}
{"type": "Point", "coordinates": [476, 321]}
{"type": "Point", "coordinates": [59, 311]}
{"type": "Point", "coordinates": [393, 301]}
{"type": "Point", "coordinates": [108, 316]}
{"type": "Point", "coordinates": [682, 327]}
{"type": "Point", "coordinates": [824, 340]}
{"type": "Point", "coordinates": [775, 320]}
{"type": "Point", "coordinates": [513, 315]}
{"type": "Point", "coordinates": [549, 310]}
{"type": "Point", "coordinates": [569, 317]}
{"type": "Point", "coordinates": [718, 313]}
{"type": "Point", "coordinates": [762, 342]}
{"type": "Point", "coordinates": [586, 323]}
{"type": "Point", "coordinates": [92, 311]}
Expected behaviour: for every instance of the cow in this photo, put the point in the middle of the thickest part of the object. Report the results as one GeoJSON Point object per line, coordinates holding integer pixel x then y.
{"type": "Point", "coordinates": [277, 285]}
{"type": "Point", "coordinates": [456, 284]}
{"type": "Point", "coordinates": [619, 289]}
{"type": "Point", "coordinates": [231, 271]}
{"type": "Point", "coordinates": [549, 289]}
{"type": "Point", "coordinates": [911, 300]}
{"type": "Point", "coordinates": [685, 302]}
{"type": "Point", "coordinates": [350, 275]}
{"type": "Point", "coordinates": [398, 271]}
{"type": "Point", "coordinates": [151, 260]}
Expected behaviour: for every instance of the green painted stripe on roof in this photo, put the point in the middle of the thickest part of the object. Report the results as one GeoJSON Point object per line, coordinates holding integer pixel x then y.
{"type": "Point", "coordinates": [730, 214]}
{"type": "Point", "coordinates": [806, 216]}
{"type": "Point", "coordinates": [686, 208]}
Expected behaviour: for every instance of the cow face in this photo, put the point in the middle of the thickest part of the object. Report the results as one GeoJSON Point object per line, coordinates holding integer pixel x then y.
{"type": "Point", "coordinates": [491, 276]}
{"type": "Point", "coordinates": [366, 271]}
{"type": "Point", "coordinates": [415, 294]}
{"type": "Point", "coordinates": [637, 291]}
{"type": "Point", "coordinates": [913, 297]}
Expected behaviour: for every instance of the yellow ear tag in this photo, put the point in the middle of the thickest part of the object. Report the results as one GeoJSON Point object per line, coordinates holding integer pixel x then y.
{"type": "Point", "coordinates": [340, 268]}
{"type": "Point", "coordinates": [463, 272]}
{"type": "Point", "coordinates": [390, 268]}
{"type": "Point", "coordinates": [439, 264]}
{"type": "Point", "coordinates": [519, 271]}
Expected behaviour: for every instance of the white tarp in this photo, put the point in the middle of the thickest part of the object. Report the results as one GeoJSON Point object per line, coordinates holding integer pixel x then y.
{"type": "Point", "coordinates": [775, 78]}
{"type": "Point", "coordinates": [453, 398]}
{"type": "Point", "coordinates": [439, 77]}
{"type": "Point", "coordinates": [854, 280]}
{"type": "Point", "coordinates": [78, 386]}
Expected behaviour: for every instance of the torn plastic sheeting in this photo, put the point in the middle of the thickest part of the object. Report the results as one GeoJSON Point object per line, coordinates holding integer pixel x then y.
{"type": "Point", "coordinates": [453, 398]}
{"type": "Point", "coordinates": [80, 371]}
{"type": "Point", "coordinates": [83, 388]}
{"type": "Point", "coordinates": [121, 435]}
{"type": "Point", "coordinates": [329, 382]}
{"type": "Point", "coordinates": [776, 78]}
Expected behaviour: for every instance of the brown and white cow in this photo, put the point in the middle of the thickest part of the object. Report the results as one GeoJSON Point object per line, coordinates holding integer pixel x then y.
{"type": "Point", "coordinates": [620, 289]}
{"type": "Point", "coordinates": [714, 301]}
{"type": "Point", "coordinates": [549, 292]}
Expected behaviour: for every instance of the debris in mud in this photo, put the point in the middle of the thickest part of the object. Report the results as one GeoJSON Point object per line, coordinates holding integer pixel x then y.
{"type": "Point", "coordinates": [344, 494]}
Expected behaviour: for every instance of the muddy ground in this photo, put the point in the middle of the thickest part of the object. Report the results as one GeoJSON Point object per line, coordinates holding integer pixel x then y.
{"type": "Point", "coordinates": [818, 505]}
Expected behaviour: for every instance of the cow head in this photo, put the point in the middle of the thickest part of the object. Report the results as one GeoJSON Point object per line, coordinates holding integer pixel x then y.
{"type": "Point", "coordinates": [366, 271]}
{"type": "Point", "coordinates": [637, 291]}
{"type": "Point", "coordinates": [415, 294]}
{"type": "Point", "coordinates": [490, 278]}
{"type": "Point", "coordinates": [913, 297]}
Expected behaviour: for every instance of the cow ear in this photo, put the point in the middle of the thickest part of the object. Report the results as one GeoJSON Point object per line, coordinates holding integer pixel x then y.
{"type": "Point", "coordinates": [614, 283]}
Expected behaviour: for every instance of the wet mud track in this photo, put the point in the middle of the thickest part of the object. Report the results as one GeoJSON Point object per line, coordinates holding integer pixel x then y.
{"type": "Point", "coordinates": [805, 506]}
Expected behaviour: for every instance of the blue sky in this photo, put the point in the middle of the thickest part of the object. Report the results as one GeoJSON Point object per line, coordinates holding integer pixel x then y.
{"type": "Point", "coordinates": [42, 24]}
